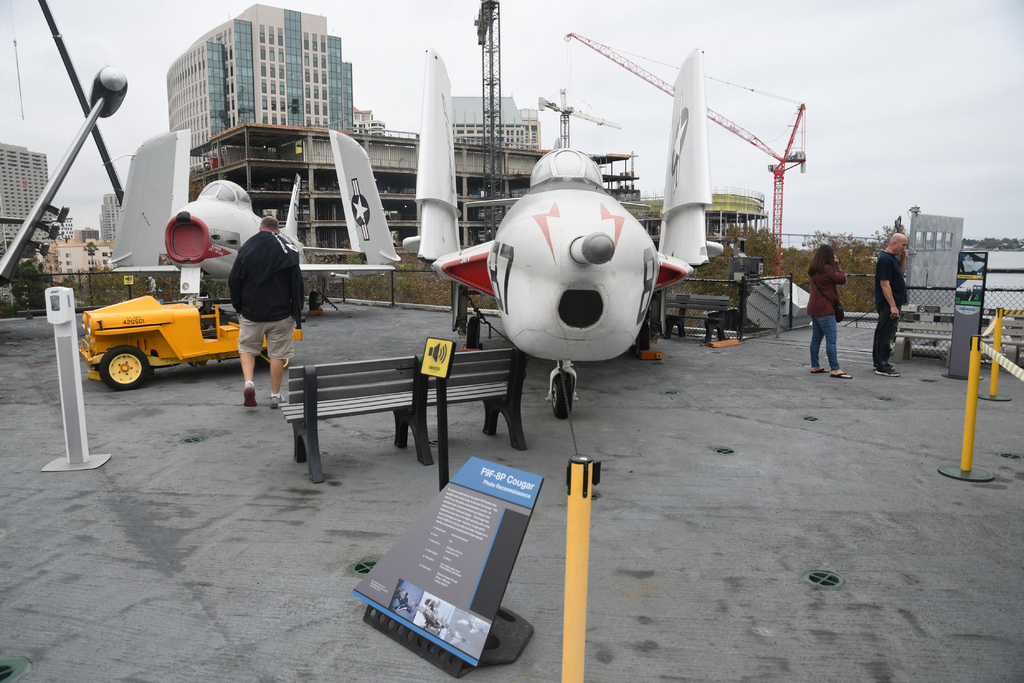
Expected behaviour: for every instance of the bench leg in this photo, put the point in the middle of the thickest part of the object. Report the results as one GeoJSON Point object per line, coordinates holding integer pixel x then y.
{"type": "Point", "coordinates": [307, 447]}
{"type": "Point", "coordinates": [516, 435]}
{"type": "Point", "coordinates": [417, 422]}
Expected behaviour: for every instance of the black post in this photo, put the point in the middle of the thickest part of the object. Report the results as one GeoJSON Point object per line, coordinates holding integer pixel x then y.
{"type": "Point", "coordinates": [743, 305]}
{"type": "Point", "coordinates": [442, 433]}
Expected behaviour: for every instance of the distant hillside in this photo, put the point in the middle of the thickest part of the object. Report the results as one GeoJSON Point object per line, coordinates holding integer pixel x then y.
{"type": "Point", "coordinates": [993, 244]}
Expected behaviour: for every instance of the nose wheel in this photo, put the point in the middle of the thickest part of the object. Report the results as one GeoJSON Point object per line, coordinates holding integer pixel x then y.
{"type": "Point", "coordinates": [562, 383]}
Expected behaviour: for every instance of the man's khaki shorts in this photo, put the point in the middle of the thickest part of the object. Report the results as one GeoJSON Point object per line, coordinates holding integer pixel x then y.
{"type": "Point", "coordinates": [279, 334]}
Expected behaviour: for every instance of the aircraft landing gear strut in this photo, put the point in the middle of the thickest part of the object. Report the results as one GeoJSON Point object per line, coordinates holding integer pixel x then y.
{"type": "Point", "coordinates": [562, 389]}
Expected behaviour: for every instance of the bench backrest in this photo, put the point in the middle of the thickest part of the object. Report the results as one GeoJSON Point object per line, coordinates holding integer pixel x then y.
{"type": "Point", "coordinates": [911, 326]}
{"type": "Point", "coordinates": [356, 378]}
{"type": "Point", "coordinates": [699, 298]}
{"type": "Point", "coordinates": [479, 367]}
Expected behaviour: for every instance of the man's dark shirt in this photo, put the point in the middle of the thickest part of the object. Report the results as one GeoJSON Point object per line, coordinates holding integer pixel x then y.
{"type": "Point", "coordinates": [266, 281]}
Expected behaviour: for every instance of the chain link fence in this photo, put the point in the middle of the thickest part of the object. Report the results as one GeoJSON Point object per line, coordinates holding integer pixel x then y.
{"type": "Point", "coordinates": [757, 305]}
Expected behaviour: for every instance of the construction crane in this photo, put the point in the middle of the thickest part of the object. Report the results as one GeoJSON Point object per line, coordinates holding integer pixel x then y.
{"type": "Point", "coordinates": [566, 111]}
{"type": "Point", "coordinates": [784, 162]}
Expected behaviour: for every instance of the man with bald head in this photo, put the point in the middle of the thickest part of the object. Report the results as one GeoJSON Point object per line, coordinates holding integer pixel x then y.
{"type": "Point", "coordinates": [890, 294]}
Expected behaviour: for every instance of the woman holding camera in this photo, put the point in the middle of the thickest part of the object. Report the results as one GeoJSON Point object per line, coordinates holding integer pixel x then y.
{"type": "Point", "coordinates": [825, 276]}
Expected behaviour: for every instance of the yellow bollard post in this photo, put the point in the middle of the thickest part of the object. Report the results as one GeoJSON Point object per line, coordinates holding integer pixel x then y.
{"type": "Point", "coordinates": [970, 417]}
{"type": "Point", "coordinates": [581, 475]}
{"type": "Point", "coordinates": [997, 346]}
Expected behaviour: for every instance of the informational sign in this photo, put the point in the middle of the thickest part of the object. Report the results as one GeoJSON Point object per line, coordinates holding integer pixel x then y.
{"type": "Point", "coordinates": [446, 576]}
{"type": "Point", "coordinates": [969, 302]}
{"type": "Point", "coordinates": [437, 358]}
{"type": "Point", "coordinates": [129, 279]}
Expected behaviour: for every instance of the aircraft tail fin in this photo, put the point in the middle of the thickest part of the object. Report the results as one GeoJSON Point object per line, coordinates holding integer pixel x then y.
{"type": "Point", "coordinates": [157, 185]}
{"type": "Point", "coordinates": [435, 175]}
{"type": "Point", "coordinates": [291, 225]}
{"type": "Point", "coordinates": [364, 214]}
{"type": "Point", "coordinates": [688, 176]}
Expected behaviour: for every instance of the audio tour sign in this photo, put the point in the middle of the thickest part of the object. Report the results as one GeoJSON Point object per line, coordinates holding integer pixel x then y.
{"type": "Point", "coordinates": [446, 576]}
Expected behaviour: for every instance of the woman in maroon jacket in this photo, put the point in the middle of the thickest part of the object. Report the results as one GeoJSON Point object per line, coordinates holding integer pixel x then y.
{"type": "Point", "coordinates": [825, 273]}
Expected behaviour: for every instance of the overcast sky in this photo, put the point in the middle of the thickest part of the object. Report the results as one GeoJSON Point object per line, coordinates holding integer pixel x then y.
{"type": "Point", "coordinates": [914, 102]}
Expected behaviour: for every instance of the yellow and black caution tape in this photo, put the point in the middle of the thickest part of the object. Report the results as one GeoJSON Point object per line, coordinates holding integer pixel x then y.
{"type": "Point", "coordinates": [1007, 364]}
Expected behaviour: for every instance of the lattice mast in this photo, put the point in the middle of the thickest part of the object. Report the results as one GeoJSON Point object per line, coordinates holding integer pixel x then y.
{"type": "Point", "coordinates": [784, 162]}
{"type": "Point", "coordinates": [488, 33]}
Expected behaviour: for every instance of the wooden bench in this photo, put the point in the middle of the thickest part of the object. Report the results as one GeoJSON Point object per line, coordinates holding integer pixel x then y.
{"type": "Point", "coordinates": [931, 324]}
{"type": "Point", "coordinates": [716, 308]}
{"type": "Point", "coordinates": [319, 392]}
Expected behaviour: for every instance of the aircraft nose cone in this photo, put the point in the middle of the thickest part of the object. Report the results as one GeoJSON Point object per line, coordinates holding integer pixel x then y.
{"type": "Point", "coordinates": [596, 248]}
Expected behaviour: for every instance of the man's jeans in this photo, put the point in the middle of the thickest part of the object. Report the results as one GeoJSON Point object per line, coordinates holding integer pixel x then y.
{"type": "Point", "coordinates": [885, 334]}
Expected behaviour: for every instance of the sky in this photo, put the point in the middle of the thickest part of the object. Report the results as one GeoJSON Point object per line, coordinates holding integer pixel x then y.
{"type": "Point", "coordinates": [909, 102]}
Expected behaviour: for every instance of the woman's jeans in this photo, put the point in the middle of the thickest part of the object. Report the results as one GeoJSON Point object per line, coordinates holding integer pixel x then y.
{"type": "Point", "coordinates": [825, 326]}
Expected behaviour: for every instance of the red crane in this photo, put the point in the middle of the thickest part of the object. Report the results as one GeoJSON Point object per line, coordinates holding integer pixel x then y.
{"type": "Point", "coordinates": [784, 162]}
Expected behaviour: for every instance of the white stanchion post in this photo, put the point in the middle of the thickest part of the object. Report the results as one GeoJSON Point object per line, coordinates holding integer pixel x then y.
{"type": "Point", "coordinates": [60, 312]}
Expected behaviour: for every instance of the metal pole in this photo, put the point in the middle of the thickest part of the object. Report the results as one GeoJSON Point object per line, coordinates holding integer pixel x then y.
{"type": "Point", "coordinates": [10, 259]}
{"type": "Point", "coordinates": [582, 474]}
{"type": "Point", "coordinates": [442, 432]}
{"type": "Point", "coordinates": [115, 182]}
{"type": "Point", "coordinates": [970, 419]}
{"type": "Point", "coordinates": [997, 345]}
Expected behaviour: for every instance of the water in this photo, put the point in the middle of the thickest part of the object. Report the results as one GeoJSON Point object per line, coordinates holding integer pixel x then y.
{"type": "Point", "coordinates": [1005, 259]}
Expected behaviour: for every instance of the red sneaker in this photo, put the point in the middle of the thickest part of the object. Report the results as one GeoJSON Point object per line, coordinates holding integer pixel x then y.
{"type": "Point", "coordinates": [250, 396]}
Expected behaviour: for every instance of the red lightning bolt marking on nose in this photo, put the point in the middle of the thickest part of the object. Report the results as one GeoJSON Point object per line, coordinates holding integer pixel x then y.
{"type": "Point", "coordinates": [542, 221]}
{"type": "Point", "coordinates": [619, 220]}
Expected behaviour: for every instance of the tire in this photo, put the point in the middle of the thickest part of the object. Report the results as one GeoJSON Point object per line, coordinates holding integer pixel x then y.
{"type": "Point", "coordinates": [473, 333]}
{"type": "Point", "coordinates": [123, 368]}
{"type": "Point", "coordinates": [562, 403]}
{"type": "Point", "coordinates": [314, 300]}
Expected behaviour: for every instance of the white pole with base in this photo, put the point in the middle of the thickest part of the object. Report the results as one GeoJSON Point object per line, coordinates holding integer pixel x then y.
{"type": "Point", "coordinates": [60, 312]}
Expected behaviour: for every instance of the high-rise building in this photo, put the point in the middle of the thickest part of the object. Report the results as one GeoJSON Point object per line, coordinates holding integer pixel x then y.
{"type": "Point", "coordinates": [521, 127]}
{"type": "Point", "coordinates": [110, 216]}
{"type": "Point", "coordinates": [23, 176]}
{"type": "Point", "coordinates": [269, 65]}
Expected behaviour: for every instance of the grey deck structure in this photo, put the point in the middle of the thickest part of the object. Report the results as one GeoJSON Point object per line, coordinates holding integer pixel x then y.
{"type": "Point", "coordinates": [218, 560]}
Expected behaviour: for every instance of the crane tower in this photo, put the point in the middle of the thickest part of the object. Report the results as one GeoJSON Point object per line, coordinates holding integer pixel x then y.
{"type": "Point", "coordinates": [784, 162]}
{"type": "Point", "coordinates": [488, 33]}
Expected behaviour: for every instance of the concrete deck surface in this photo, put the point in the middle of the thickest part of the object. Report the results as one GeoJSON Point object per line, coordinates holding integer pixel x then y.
{"type": "Point", "coordinates": [219, 560]}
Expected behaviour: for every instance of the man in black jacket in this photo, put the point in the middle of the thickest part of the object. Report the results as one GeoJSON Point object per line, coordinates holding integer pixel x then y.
{"type": "Point", "coordinates": [266, 291]}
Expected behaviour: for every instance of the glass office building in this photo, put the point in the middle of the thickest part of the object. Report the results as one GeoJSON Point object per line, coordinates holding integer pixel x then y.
{"type": "Point", "coordinates": [268, 65]}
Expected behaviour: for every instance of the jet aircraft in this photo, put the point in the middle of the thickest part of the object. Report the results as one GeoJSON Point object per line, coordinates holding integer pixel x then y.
{"type": "Point", "coordinates": [202, 237]}
{"type": "Point", "coordinates": [573, 272]}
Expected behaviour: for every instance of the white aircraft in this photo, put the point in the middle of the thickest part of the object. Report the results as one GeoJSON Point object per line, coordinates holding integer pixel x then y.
{"type": "Point", "coordinates": [573, 273]}
{"type": "Point", "coordinates": [203, 237]}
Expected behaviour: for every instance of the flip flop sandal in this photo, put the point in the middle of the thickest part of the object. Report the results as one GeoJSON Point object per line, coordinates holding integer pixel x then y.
{"type": "Point", "coordinates": [841, 375]}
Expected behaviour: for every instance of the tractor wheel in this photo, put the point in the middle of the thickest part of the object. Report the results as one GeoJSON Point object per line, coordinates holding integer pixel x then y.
{"type": "Point", "coordinates": [123, 368]}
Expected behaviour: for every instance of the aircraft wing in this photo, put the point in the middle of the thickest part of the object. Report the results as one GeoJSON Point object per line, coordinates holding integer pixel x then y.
{"type": "Point", "coordinates": [435, 167]}
{"type": "Point", "coordinates": [688, 174]}
{"type": "Point", "coordinates": [506, 201]}
{"type": "Point", "coordinates": [148, 271]}
{"type": "Point", "coordinates": [468, 266]}
{"type": "Point", "coordinates": [364, 214]}
{"type": "Point", "coordinates": [342, 270]}
{"type": "Point", "coordinates": [157, 186]}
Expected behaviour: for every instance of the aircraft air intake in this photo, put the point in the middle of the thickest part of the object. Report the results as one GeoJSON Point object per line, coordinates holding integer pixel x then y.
{"type": "Point", "coordinates": [188, 240]}
{"type": "Point", "coordinates": [580, 308]}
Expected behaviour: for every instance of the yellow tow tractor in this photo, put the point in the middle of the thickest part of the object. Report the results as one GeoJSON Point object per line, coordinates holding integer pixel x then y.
{"type": "Point", "coordinates": [123, 343]}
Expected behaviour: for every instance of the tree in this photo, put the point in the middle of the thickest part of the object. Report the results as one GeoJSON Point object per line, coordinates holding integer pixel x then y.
{"type": "Point", "coordinates": [28, 289]}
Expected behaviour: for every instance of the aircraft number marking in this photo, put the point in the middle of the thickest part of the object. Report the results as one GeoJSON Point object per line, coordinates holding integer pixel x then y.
{"type": "Point", "coordinates": [499, 267]}
{"type": "Point", "coordinates": [650, 276]}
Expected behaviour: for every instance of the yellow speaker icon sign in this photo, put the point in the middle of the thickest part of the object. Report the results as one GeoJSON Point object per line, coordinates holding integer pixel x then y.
{"type": "Point", "coordinates": [437, 357]}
